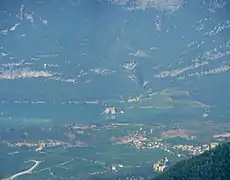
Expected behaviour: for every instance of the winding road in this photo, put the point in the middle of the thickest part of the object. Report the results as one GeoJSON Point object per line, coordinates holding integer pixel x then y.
{"type": "Point", "coordinates": [28, 171]}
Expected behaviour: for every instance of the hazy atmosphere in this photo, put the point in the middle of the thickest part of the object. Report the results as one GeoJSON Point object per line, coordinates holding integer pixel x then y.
{"type": "Point", "coordinates": [110, 87]}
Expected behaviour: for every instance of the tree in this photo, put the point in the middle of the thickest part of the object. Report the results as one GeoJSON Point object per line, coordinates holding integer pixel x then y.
{"type": "Point", "coordinates": [211, 165]}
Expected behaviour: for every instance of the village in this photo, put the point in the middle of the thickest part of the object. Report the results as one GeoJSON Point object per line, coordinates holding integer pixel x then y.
{"type": "Point", "coordinates": [42, 144]}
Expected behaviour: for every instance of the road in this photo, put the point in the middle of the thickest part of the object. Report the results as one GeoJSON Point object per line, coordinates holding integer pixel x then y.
{"type": "Point", "coordinates": [28, 171]}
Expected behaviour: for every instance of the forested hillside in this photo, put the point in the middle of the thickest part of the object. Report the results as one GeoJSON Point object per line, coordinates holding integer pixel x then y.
{"type": "Point", "coordinates": [211, 165]}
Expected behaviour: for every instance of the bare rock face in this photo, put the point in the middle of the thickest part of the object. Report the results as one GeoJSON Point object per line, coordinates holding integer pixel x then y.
{"type": "Point", "coordinates": [143, 4]}
{"type": "Point", "coordinates": [169, 4]}
{"type": "Point", "coordinates": [120, 2]}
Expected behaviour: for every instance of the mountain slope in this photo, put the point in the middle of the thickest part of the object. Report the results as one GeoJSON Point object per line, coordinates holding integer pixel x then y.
{"type": "Point", "coordinates": [211, 165]}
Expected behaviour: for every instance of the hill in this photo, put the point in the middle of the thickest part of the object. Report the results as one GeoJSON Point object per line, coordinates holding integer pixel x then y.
{"type": "Point", "coordinates": [211, 165]}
